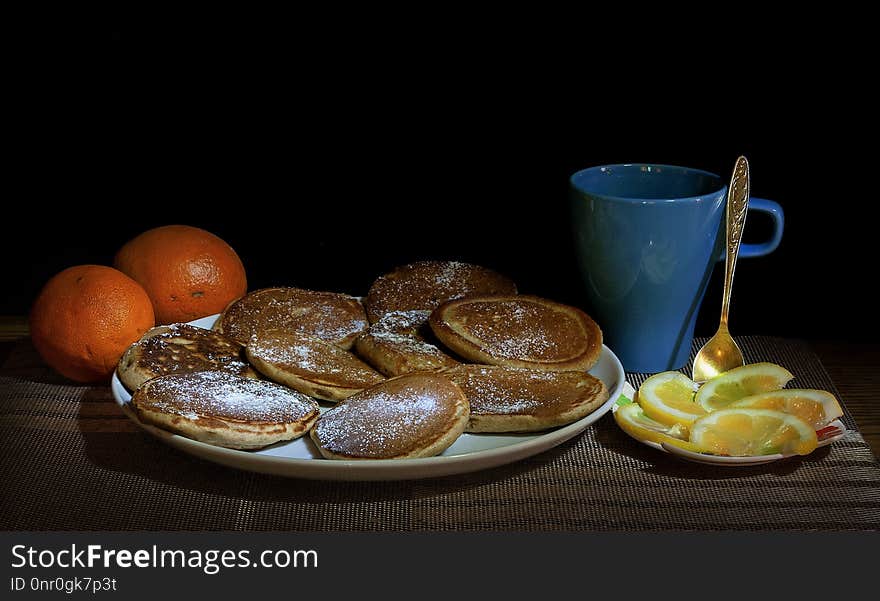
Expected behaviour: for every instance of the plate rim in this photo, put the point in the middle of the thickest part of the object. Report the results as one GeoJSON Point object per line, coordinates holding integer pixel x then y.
{"type": "Point", "coordinates": [374, 469]}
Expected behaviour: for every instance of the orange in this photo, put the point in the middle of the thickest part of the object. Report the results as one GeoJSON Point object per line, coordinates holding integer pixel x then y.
{"type": "Point", "coordinates": [85, 317]}
{"type": "Point", "coordinates": [187, 272]}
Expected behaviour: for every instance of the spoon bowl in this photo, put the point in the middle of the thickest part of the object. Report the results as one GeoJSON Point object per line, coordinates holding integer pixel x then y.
{"type": "Point", "coordinates": [721, 353]}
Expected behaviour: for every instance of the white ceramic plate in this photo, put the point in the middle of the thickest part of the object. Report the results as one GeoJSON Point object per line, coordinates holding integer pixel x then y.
{"type": "Point", "coordinates": [833, 431]}
{"type": "Point", "coordinates": [299, 458]}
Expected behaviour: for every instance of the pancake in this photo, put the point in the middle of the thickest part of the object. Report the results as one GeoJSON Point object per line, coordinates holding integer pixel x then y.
{"type": "Point", "coordinates": [310, 365]}
{"type": "Point", "coordinates": [524, 400]}
{"type": "Point", "coordinates": [395, 345]}
{"type": "Point", "coordinates": [416, 415]}
{"type": "Point", "coordinates": [224, 409]}
{"type": "Point", "coordinates": [425, 285]}
{"type": "Point", "coordinates": [519, 331]}
{"type": "Point", "coordinates": [177, 349]}
{"type": "Point", "coordinates": [333, 317]}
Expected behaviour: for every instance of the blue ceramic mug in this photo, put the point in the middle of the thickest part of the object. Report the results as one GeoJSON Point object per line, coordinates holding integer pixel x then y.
{"type": "Point", "coordinates": [648, 237]}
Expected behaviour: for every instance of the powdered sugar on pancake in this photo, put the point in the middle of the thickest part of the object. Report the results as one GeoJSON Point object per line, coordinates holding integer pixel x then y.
{"type": "Point", "coordinates": [489, 394]}
{"type": "Point", "coordinates": [399, 329]}
{"type": "Point", "coordinates": [325, 323]}
{"type": "Point", "coordinates": [519, 329]}
{"type": "Point", "coordinates": [450, 277]}
{"type": "Point", "coordinates": [223, 395]}
{"type": "Point", "coordinates": [395, 344]}
{"type": "Point", "coordinates": [425, 285]}
{"type": "Point", "coordinates": [330, 316]}
{"type": "Point", "coordinates": [495, 390]}
{"type": "Point", "coordinates": [390, 419]}
{"type": "Point", "coordinates": [310, 356]}
{"type": "Point", "coordinates": [397, 321]}
{"type": "Point", "coordinates": [409, 345]}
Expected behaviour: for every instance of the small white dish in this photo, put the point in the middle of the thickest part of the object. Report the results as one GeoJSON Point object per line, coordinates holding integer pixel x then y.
{"type": "Point", "coordinates": [471, 452]}
{"type": "Point", "coordinates": [835, 430]}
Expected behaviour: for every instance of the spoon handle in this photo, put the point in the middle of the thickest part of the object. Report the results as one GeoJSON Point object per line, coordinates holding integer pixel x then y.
{"type": "Point", "coordinates": [737, 207]}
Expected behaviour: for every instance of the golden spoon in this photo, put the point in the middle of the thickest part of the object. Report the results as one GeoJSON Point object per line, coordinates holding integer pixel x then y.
{"type": "Point", "coordinates": [721, 353]}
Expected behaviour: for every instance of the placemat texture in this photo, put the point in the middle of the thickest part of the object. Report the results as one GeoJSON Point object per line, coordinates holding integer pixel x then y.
{"type": "Point", "coordinates": [71, 460]}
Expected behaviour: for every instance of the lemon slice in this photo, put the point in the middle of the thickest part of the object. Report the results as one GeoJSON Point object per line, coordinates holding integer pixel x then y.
{"type": "Point", "coordinates": [668, 398]}
{"type": "Point", "coordinates": [744, 431]}
{"type": "Point", "coordinates": [632, 419]}
{"type": "Point", "coordinates": [816, 407]}
{"type": "Point", "coordinates": [738, 383]}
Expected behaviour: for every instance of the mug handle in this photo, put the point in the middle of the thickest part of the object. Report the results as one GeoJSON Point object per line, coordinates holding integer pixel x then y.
{"type": "Point", "coordinates": [765, 248]}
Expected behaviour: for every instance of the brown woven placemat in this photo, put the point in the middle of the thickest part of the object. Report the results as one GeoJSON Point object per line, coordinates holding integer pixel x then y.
{"type": "Point", "coordinates": [70, 460]}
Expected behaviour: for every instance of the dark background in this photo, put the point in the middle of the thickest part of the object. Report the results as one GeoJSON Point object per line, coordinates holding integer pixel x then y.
{"type": "Point", "coordinates": [324, 170]}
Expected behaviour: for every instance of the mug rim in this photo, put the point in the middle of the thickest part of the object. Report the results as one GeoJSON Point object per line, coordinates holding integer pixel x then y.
{"type": "Point", "coordinates": [645, 200]}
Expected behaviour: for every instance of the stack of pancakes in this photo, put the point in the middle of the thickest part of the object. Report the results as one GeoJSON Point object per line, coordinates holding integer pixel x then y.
{"type": "Point", "coordinates": [436, 348]}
